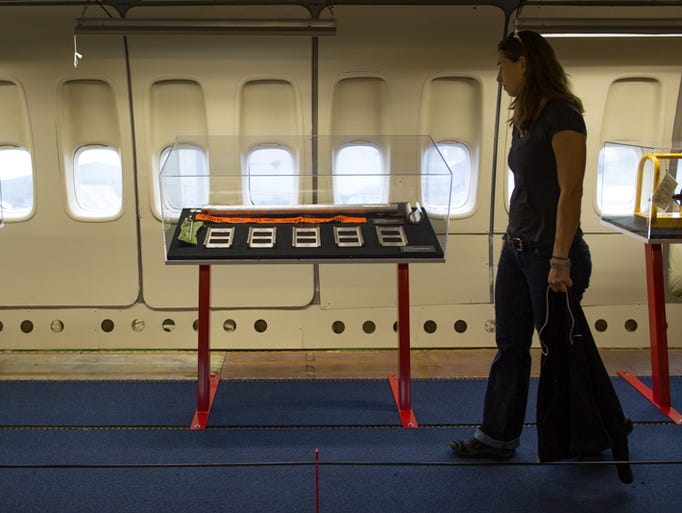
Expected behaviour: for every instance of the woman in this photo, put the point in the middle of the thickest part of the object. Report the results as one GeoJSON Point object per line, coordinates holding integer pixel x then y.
{"type": "Point", "coordinates": [543, 243]}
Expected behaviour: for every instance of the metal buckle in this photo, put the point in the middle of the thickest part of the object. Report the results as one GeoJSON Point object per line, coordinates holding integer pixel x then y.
{"type": "Point", "coordinates": [516, 243]}
{"type": "Point", "coordinates": [306, 237]}
{"type": "Point", "coordinates": [219, 237]}
{"type": "Point", "coordinates": [348, 236]}
{"type": "Point", "coordinates": [262, 237]}
{"type": "Point", "coordinates": [391, 236]}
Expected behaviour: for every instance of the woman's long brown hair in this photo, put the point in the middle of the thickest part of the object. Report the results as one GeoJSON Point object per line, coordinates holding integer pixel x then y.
{"type": "Point", "coordinates": [545, 78]}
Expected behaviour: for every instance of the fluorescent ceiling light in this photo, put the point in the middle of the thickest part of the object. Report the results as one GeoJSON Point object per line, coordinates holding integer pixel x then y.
{"type": "Point", "coordinates": [170, 26]}
{"type": "Point", "coordinates": [604, 27]}
{"type": "Point", "coordinates": [604, 34]}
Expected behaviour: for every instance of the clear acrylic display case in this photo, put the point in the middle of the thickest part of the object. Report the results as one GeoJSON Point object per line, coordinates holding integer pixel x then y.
{"type": "Point", "coordinates": [249, 199]}
{"type": "Point", "coordinates": [639, 190]}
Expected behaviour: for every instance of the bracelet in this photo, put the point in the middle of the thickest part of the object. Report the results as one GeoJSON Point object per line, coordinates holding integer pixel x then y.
{"type": "Point", "coordinates": [566, 264]}
{"type": "Point", "coordinates": [560, 258]}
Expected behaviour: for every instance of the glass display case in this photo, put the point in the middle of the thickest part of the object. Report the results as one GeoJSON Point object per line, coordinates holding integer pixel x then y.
{"type": "Point", "coordinates": [639, 189]}
{"type": "Point", "coordinates": [249, 199]}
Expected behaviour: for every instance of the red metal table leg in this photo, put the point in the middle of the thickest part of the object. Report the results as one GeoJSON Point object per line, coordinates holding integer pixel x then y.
{"type": "Point", "coordinates": [401, 385]}
{"type": "Point", "coordinates": [207, 384]}
{"type": "Point", "coordinates": [659, 394]}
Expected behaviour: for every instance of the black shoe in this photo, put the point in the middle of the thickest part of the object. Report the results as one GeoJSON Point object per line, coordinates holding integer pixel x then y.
{"type": "Point", "coordinates": [473, 448]}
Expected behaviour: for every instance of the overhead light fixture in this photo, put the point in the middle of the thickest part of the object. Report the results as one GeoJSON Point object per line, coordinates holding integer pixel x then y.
{"type": "Point", "coordinates": [604, 27]}
{"type": "Point", "coordinates": [171, 26]}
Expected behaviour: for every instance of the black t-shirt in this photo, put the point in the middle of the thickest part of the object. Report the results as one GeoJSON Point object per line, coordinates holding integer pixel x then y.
{"type": "Point", "coordinates": [533, 204]}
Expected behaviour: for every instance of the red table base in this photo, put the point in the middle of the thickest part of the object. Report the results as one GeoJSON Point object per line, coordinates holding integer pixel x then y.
{"type": "Point", "coordinates": [201, 416]}
{"type": "Point", "coordinates": [669, 411]}
{"type": "Point", "coordinates": [401, 384]}
{"type": "Point", "coordinates": [659, 394]}
{"type": "Point", "coordinates": [207, 384]}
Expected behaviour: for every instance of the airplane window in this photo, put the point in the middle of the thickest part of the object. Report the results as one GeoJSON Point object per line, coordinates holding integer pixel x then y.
{"type": "Point", "coordinates": [16, 183]}
{"type": "Point", "coordinates": [616, 180]}
{"type": "Point", "coordinates": [359, 175]}
{"type": "Point", "coordinates": [272, 179]}
{"type": "Point", "coordinates": [97, 182]}
{"type": "Point", "coordinates": [188, 187]}
{"type": "Point", "coordinates": [510, 186]}
{"type": "Point", "coordinates": [435, 193]}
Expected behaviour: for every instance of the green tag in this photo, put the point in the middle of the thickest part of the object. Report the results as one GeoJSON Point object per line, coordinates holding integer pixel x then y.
{"type": "Point", "coordinates": [189, 230]}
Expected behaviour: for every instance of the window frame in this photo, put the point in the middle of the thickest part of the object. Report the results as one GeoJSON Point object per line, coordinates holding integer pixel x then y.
{"type": "Point", "coordinates": [24, 213]}
{"type": "Point", "coordinates": [247, 185]}
{"type": "Point", "coordinates": [74, 205]}
{"type": "Point", "coordinates": [465, 207]}
{"type": "Point", "coordinates": [163, 207]}
{"type": "Point", "coordinates": [384, 179]}
{"type": "Point", "coordinates": [627, 208]}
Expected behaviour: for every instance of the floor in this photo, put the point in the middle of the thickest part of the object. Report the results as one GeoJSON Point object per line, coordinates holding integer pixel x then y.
{"type": "Point", "coordinates": [177, 365]}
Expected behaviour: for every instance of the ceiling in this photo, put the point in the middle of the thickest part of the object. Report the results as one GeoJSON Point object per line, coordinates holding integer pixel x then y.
{"type": "Point", "coordinates": [315, 7]}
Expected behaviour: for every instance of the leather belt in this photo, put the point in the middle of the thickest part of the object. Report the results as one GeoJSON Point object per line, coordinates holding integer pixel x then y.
{"type": "Point", "coordinates": [518, 244]}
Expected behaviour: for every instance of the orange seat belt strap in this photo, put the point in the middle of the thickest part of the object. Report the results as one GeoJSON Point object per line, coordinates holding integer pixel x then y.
{"type": "Point", "coordinates": [279, 220]}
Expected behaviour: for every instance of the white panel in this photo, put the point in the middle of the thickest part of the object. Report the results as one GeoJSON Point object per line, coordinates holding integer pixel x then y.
{"type": "Point", "coordinates": [449, 46]}
{"type": "Point", "coordinates": [615, 318]}
{"type": "Point", "coordinates": [411, 45]}
{"type": "Point", "coordinates": [141, 327]}
{"type": "Point", "coordinates": [625, 120]}
{"type": "Point", "coordinates": [462, 278]}
{"type": "Point", "coordinates": [87, 115]}
{"type": "Point", "coordinates": [55, 260]}
{"type": "Point", "coordinates": [618, 272]}
{"type": "Point", "coordinates": [451, 110]}
{"type": "Point", "coordinates": [319, 327]}
{"type": "Point", "coordinates": [178, 107]}
{"type": "Point", "coordinates": [615, 280]}
{"type": "Point", "coordinates": [360, 106]}
{"type": "Point", "coordinates": [219, 66]}
{"type": "Point", "coordinates": [269, 107]}
{"type": "Point", "coordinates": [14, 129]}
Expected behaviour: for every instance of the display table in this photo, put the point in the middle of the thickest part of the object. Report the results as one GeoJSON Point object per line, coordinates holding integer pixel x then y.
{"type": "Point", "coordinates": [396, 233]}
{"type": "Point", "coordinates": [311, 199]}
{"type": "Point", "coordinates": [653, 238]}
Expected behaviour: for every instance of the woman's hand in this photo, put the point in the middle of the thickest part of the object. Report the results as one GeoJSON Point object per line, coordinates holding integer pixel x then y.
{"type": "Point", "coordinates": [559, 279]}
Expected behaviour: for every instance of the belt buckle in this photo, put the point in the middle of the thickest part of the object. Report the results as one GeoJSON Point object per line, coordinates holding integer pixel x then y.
{"type": "Point", "coordinates": [516, 243]}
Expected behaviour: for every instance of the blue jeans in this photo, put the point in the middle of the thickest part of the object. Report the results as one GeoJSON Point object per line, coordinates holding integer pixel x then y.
{"type": "Point", "coordinates": [520, 297]}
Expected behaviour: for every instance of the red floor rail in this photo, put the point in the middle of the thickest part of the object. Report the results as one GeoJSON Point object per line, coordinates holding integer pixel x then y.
{"type": "Point", "coordinates": [659, 393]}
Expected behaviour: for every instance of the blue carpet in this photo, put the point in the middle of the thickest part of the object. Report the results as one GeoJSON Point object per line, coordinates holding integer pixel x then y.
{"type": "Point", "coordinates": [97, 403]}
{"type": "Point", "coordinates": [361, 470]}
{"type": "Point", "coordinates": [650, 442]}
{"type": "Point", "coordinates": [269, 403]}
{"type": "Point", "coordinates": [148, 461]}
{"type": "Point", "coordinates": [342, 490]}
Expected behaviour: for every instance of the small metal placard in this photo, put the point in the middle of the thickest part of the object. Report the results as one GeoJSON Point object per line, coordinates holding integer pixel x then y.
{"type": "Point", "coordinates": [391, 235]}
{"type": "Point", "coordinates": [219, 237]}
{"type": "Point", "coordinates": [348, 236]}
{"type": "Point", "coordinates": [262, 237]}
{"type": "Point", "coordinates": [306, 237]}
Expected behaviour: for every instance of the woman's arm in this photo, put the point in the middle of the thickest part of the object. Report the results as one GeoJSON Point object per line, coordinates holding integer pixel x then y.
{"type": "Point", "coordinates": [569, 153]}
